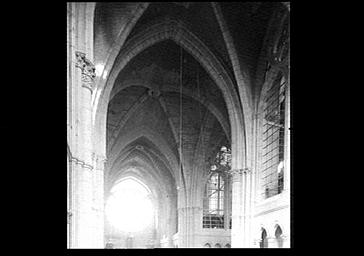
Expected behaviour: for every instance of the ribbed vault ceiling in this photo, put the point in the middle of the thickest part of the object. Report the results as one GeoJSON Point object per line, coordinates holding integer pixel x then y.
{"type": "Point", "coordinates": [143, 119]}
{"type": "Point", "coordinates": [147, 93]}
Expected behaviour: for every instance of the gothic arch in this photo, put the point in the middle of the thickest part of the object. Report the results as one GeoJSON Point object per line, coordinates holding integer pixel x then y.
{"type": "Point", "coordinates": [143, 176]}
{"type": "Point", "coordinates": [278, 235]}
{"type": "Point", "coordinates": [131, 177]}
{"type": "Point", "coordinates": [241, 78]}
{"type": "Point", "coordinates": [263, 238]}
{"type": "Point", "coordinates": [156, 139]}
{"type": "Point", "coordinates": [143, 163]}
{"type": "Point", "coordinates": [276, 226]}
{"type": "Point", "coordinates": [177, 32]}
{"type": "Point", "coordinates": [119, 42]}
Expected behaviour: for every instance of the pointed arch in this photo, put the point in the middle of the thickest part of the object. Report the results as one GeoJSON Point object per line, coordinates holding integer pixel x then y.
{"type": "Point", "coordinates": [177, 32]}
{"type": "Point", "coordinates": [134, 179]}
{"type": "Point", "coordinates": [155, 139]}
{"type": "Point", "coordinates": [263, 241]}
{"type": "Point", "coordinates": [278, 235]}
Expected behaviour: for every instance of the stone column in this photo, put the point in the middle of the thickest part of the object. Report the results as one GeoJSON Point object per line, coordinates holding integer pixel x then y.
{"type": "Point", "coordinates": [195, 224]}
{"type": "Point", "coordinates": [69, 211]}
{"type": "Point", "coordinates": [81, 73]}
{"type": "Point", "coordinates": [256, 243]}
{"type": "Point", "coordinates": [182, 220]}
{"type": "Point", "coordinates": [248, 208]}
{"type": "Point", "coordinates": [227, 210]}
{"type": "Point", "coordinates": [182, 228]}
{"type": "Point", "coordinates": [272, 242]}
{"type": "Point", "coordinates": [82, 196]}
{"type": "Point", "coordinates": [98, 200]}
{"type": "Point", "coordinates": [85, 219]}
{"type": "Point", "coordinates": [188, 221]}
{"type": "Point", "coordinates": [237, 209]}
{"type": "Point", "coordinates": [241, 208]}
{"type": "Point", "coordinates": [286, 241]}
{"type": "Point", "coordinates": [185, 227]}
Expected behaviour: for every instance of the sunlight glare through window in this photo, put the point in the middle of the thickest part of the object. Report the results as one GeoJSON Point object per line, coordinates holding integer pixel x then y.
{"type": "Point", "coordinates": [129, 207]}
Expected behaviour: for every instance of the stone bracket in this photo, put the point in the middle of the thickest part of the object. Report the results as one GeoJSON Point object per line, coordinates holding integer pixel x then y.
{"type": "Point", "coordinates": [88, 70]}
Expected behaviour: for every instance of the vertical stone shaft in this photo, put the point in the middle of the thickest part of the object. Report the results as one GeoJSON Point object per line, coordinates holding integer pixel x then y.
{"type": "Point", "coordinates": [287, 157]}
{"type": "Point", "coordinates": [237, 203]}
{"type": "Point", "coordinates": [86, 226]}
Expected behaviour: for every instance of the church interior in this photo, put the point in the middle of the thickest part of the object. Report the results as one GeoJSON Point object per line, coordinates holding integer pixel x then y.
{"type": "Point", "coordinates": [178, 125]}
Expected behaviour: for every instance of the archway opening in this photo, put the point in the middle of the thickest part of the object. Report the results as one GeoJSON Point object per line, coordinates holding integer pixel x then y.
{"type": "Point", "coordinates": [264, 241]}
{"type": "Point", "coordinates": [278, 235]}
{"type": "Point", "coordinates": [129, 207]}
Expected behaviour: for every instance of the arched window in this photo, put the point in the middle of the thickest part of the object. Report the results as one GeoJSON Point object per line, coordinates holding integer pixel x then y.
{"type": "Point", "coordinates": [217, 245]}
{"type": "Point", "coordinates": [207, 245]}
{"type": "Point", "coordinates": [129, 206]}
{"type": "Point", "coordinates": [217, 196]}
{"type": "Point", "coordinates": [214, 202]}
{"type": "Point", "coordinates": [227, 246]}
{"type": "Point", "coordinates": [274, 101]}
{"type": "Point", "coordinates": [273, 138]}
{"type": "Point", "coordinates": [278, 235]}
{"type": "Point", "coordinates": [264, 241]}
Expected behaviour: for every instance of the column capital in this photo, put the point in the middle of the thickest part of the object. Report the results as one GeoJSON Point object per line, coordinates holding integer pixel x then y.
{"type": "Point", "coordinates": [88, 70]}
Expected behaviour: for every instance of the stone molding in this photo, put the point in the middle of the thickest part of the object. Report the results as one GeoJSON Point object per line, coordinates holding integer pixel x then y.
{"type": "Point", "coordinates": [88, 70]}
{"type": "Point", "coordinates": [82, 163]}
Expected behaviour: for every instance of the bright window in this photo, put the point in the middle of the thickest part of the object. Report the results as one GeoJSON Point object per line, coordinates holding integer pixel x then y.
{"type": "Point", "coordinates": [214, 202]}
{"type": "Point", "coordinates": [129, 207]}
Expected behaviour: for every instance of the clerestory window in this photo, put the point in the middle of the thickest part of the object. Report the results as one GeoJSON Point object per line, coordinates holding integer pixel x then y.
{"type": "Point", "coordinates": [273, 138]}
